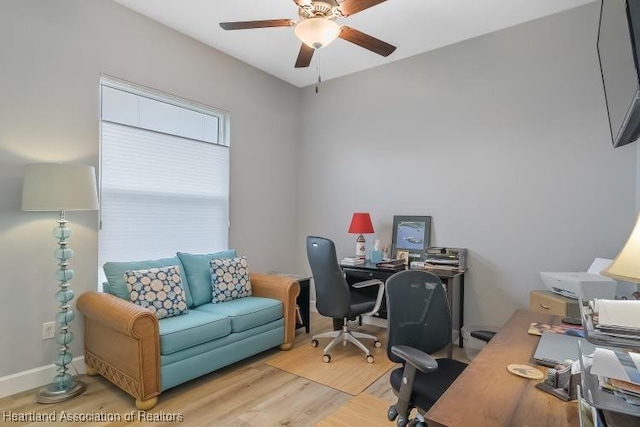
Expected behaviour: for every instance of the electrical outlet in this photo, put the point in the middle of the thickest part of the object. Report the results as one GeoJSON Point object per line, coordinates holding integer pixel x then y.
{"type": "Point", "coordinates": [48, 330]}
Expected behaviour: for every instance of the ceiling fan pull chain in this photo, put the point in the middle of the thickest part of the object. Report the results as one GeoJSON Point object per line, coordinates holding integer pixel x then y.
{"type": "Point", "coordinates": [318, 71]}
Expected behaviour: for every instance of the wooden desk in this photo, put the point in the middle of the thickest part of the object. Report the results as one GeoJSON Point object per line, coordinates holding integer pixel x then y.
{"type": "Point", "coordinates": [487, 395]}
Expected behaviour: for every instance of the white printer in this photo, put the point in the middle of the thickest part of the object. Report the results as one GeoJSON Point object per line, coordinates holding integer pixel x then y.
{"type": "Point", "coordinates": [585, 285]}
{"type": "Point", "coordinates": [588, 285]}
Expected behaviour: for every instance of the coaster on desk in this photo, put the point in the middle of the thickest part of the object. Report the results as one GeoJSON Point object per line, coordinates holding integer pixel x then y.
{"type": "Point", "coordinates": [525, 371]}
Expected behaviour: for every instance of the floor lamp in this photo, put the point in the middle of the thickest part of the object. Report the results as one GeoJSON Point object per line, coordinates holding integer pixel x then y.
{"type": "Point", "coordinates": [61, 187]}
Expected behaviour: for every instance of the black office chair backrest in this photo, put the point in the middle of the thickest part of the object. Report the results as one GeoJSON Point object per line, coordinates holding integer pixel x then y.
{"type": "Point", "coordinates": [417, 312]}
{"type": "Point", "coordinates": [333, 298]}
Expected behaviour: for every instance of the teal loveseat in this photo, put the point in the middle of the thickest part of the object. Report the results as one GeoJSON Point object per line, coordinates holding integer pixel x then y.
{"type": "Point", "coordinates": [127, 344]}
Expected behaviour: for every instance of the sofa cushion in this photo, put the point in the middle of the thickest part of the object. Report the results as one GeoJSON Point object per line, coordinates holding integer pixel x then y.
{"type": "Point", "coordinates": [246, 313]}
{"type": "Point", "coordinates": [157, 289]}
{"type": "Point", "coordinates": [229, 279]}
{"type": "Point", "coordinates": [196, 268]}
{"type": "Point", "coordinates": [197, 327]}
{"type": "Point", "coordinates": [114, 271]}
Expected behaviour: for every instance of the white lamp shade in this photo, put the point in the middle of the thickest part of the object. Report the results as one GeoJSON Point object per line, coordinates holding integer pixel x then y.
{"type": "Point", "coordinates": [626, 266]}
{"type": "Point", "coordinates": [317, 32]}
{"type": "Point", "coordinates": [59, 187]}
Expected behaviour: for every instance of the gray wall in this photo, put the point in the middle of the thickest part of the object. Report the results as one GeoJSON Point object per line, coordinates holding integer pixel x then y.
{"type": "Point", "coordinates": [52, 54]}
{"type": "Point", "coordinates": [502, 139]}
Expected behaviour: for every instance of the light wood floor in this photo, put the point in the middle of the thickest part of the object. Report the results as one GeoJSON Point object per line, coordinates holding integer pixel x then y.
{"type": "Point", "coordinates": [247, 394]}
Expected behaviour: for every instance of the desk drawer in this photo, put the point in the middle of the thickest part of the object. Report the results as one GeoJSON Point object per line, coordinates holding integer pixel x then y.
{"type": "Point", "coordinates": [354, 275]}
{"type": "Point", "coordinates": [552, 303]}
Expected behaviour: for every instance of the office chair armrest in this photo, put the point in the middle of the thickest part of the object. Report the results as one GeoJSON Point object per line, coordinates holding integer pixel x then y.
{"type": "Point", "coordinates": [368, 283]}
{"type": "Point", "coordinates": [421, 360]}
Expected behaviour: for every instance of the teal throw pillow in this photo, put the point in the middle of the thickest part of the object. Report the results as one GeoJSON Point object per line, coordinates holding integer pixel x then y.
{"type": "Point", "coordinates": [114, 271]}
{"type": "Point", "coordinates": [229, 279]}
{"type": "Point", "coordinates": [198, 275]}
{"type": "Point", "coordinates": [157, 289]}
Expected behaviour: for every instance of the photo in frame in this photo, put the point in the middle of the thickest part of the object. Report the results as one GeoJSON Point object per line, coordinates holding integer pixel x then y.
{"type": "Point", "coordinates": [403, 254]}
{"type": "Point", "coordinates": [411, 233]}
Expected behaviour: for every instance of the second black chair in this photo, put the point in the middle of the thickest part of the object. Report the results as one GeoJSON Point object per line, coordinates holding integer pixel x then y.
{"type": "Point", "coordinates": [419, 323]}
{"type": "Point", "coordinates": [336, 299]}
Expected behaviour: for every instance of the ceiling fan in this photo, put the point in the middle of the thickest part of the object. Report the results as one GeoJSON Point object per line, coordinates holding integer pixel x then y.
{"type": "Point", "coordinates": [317, 27]}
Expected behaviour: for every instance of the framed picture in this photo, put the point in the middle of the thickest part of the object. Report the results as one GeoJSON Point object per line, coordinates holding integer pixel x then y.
{"type": "Point", "coordinates": [403, 254]}
{"type": "Point", "coordinates": [411, 233]}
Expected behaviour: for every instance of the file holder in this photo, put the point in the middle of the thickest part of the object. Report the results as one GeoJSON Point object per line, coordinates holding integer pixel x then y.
{"type": "Point", "coordinates": [598, 398]}
{"type": "Point", "coordinates": [598, 337]}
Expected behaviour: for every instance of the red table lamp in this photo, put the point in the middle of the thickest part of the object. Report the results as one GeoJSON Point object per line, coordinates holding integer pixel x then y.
{"type": "Point", "coordinates": [360, 224]}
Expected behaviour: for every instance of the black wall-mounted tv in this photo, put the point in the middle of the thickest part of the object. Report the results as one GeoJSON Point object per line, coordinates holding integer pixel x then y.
{"type": "Point", "coordinates": [618, 44]}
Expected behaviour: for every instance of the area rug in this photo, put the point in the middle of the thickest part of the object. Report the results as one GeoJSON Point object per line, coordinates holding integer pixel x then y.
{"type": "Point", "coordinates": [361, 410]}
{"type": "Point", "coordinates": [348, 370]}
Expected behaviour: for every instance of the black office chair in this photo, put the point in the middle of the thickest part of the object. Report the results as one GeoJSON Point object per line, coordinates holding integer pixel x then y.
{"type": "Point", "coordinates": [336, 299]}
{"type": "Point", "coordinates": [419, 323]}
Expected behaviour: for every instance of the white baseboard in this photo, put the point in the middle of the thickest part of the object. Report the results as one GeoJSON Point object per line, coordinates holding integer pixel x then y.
{"type": "Point", "coordinates": [37, 377]}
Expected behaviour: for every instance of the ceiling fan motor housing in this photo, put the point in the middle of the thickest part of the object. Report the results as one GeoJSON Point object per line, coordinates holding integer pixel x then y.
{"type": "Point", "coordinates": [327, 9]}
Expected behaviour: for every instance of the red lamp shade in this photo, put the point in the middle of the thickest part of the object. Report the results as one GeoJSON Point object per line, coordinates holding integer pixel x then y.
{"type": "Point", "coordinates": [361, 223]}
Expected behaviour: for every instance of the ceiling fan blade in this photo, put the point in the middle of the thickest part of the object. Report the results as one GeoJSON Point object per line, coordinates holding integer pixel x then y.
{"type": "Point", "coordinates": [304, 56]}
{"type": "Point", "coordinates": [366, 41]}
{"type": "Point", "coordinates": [247, 25]}
{"type": "Point", "coordinates": [351, 7]}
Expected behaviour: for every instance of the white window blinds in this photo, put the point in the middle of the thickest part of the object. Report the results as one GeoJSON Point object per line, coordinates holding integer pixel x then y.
{"type": "Point", "coordinates": [160, 192]}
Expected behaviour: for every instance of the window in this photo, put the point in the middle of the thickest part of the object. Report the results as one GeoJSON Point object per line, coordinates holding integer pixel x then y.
{"type": "Point", "coordinates": [164, 175]}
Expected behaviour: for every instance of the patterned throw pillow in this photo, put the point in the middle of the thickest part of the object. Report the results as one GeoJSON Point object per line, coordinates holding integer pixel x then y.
{"type": "Point", "coordinates": [157, 289]}
{"type": "Point", "coordinates": [229, 279]}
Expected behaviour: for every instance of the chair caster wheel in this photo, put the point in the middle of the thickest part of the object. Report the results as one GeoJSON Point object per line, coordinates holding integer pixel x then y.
{"type": "Point", "coordinates": [369, 359]}
{"type": "Point", "coordinates": [392, 413]}
{"type": "Point", "coordinates": [377, 344]}
{"type": "Point", "coordinates": [402, 421]}
{"type": "Point", "coordinates": [326, 358]}
{"type": "Point", "coordinates": [314, 343]}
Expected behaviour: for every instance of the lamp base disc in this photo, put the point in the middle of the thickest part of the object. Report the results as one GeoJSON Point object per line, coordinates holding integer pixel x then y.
{"type": "Point", "coordinates": [51, 394]}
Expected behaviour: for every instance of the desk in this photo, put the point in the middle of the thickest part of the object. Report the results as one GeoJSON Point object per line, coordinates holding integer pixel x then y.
{"type": "Point", "coordinates": [367, 271]}
{"type": "Point", "coordinates": [485, 394]}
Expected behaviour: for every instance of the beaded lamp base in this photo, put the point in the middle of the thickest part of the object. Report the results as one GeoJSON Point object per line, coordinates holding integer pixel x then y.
{"type": "Point", "coordinates": [64, 385]}
{"type": "Point", "coordinates": [53, 394]}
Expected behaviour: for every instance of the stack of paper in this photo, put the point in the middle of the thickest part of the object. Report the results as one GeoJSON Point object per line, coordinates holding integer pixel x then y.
{"type": "Point", "coordinates": [619, 371]}
{"type": "Point", "coordinates": [352, 261]}
{"type": "Point", "coordinates": [618, 316]}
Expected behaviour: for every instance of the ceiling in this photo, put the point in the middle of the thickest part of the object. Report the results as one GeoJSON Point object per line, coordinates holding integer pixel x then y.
{"type": "Point", "coordinates": [414, 26]}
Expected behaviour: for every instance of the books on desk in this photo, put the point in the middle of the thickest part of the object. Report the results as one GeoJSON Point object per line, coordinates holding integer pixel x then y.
{"type": "Point", "coordinates": [537, 328]}
{"type": "Point", "coordinates": [393, 264]}
{"type": "Point", "coordinates": [352, 261]}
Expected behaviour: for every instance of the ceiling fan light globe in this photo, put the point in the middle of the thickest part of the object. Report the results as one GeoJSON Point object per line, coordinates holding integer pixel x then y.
{"type": "Point", "coordinates": [317, 32]}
